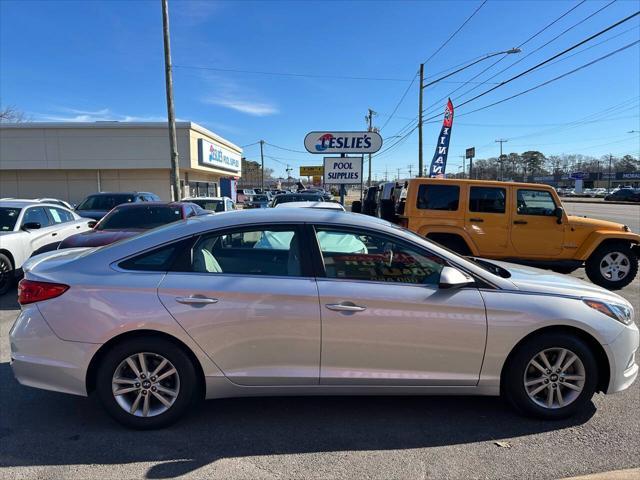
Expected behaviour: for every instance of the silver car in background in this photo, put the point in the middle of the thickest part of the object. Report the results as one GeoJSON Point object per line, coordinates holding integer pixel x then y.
{"type": "Point", "coordinates": [303, 301]}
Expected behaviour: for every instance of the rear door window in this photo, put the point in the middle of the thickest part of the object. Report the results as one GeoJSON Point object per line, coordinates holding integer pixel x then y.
{"type": "Point", "coordinates": [59, 216]}
{"type": "Point", "coordinates": [36, 215]}
{"type": "Point", "coordinates": [487, 200]}
{"type": "Point", "coordinates": [438, 197]}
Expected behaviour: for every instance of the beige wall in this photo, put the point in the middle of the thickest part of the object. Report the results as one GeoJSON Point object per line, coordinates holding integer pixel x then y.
{"type": "Point", "coordinates": [75, 185]}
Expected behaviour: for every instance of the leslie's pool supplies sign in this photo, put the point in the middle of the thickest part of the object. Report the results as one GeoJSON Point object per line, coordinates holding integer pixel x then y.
{"type": "Point", "coordinates": [342, 170]}
{"type": "Point", "coordinates": [343, 142]}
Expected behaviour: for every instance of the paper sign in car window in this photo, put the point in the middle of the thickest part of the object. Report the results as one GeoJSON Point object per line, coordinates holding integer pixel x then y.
{"type": "Point", "coordinates": [55, 215]}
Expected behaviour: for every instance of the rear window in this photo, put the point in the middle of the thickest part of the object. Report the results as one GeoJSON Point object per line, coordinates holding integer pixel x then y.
{"type": "Point", "coordinates": [487, 200]}
{"type": "Point", "coordinates": [213, 205]}
{"type": "Point", "coordinates": [104, 202]}
{"type": "Point", "coordinates": [438, 197]}
{"type": "Point", "coordinates": [139, 217]}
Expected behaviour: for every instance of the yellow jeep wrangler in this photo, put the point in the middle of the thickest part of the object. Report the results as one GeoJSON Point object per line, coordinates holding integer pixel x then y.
{"type": "Point", "coordinates": [520, 222]}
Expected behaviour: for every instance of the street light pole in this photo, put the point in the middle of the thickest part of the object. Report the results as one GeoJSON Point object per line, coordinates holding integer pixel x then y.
{"type": "Point", "coordinates": [423, 86]}
{"type": "Point", "coordinates": [262, 165]}
{"type": "Point", "coordinates": [500, 160]}
{"type": "Point", "coordinates": [420, 161]}
{"type": "Point", "coordinates": [173, 147]}
{"type": "Point", "coordinates": [609, 188]}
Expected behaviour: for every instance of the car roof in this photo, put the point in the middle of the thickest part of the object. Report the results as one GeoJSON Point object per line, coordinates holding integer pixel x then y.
{"type": "Point", "coordinates": [152, 204]}
{"type": "Point", "coordinates": [191, 199]}
{"type": "Point", "coordinates": [311, 204]}
{"type": "Point", "coordinates": [120, 193]}
{"type": "Point", "coordinates": [20, 203]}
{"type": "Point", "coordinates": [469, 181]}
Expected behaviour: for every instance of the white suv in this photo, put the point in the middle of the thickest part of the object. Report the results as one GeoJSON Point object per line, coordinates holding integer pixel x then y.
{"type": "Point", "coordinates": [28, 227]}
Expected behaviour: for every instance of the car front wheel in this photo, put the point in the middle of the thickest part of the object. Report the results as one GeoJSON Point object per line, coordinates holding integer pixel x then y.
{"type": "Point", "coordinates": [146, 383]}
{"type": "Point", "coordinates": [551, 376]}
{"type": "Point", "coordinates": [6, 274]}
{"type": "Point", "coordinates": [612, 266]}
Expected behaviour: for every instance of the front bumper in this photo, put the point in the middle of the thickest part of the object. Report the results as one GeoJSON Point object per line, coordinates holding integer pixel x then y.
{"type": "Point", "coordinates": [42, 360]}
{"type": "Point", "coordinates": [622, 353]}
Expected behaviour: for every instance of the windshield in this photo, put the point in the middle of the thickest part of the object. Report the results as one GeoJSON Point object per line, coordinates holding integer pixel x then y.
{"type": "Point", "coordinates": [260, 198]}
{"type": "Point", "coordinates": [104, 202]}
{"type": "Point", "coordinates": [8, 218]}
{"type": "Point", "coordinates": [146, 217]}
{"type": "Point", "coordinates": [213, 205]}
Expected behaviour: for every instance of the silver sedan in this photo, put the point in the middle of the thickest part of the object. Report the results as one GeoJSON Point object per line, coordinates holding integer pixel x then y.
{"type": "Point", "coordinates": [310, 302]}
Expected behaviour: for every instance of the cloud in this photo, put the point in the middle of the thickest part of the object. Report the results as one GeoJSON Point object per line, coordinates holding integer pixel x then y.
{"type": "Point", "coordinates": [257, 109]}
{"type": "Point", "coordinates": [66, 114]}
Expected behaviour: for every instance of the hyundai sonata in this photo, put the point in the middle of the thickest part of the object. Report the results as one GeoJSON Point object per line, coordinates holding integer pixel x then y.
{"type": "Point", "coordinates": [310, 302]}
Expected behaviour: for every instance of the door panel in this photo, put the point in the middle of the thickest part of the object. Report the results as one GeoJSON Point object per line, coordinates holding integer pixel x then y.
{"type": "Point", "coordinates": [407, 334]}
{"type": "Point", "coordinates": [261, 331]}
{"type": "Point", "coordinates": [535, 230]}
{"type": "Point", "coordinates": [487, 220]}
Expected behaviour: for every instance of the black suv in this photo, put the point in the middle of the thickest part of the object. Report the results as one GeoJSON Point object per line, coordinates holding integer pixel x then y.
{"type": "Point", "coordinates": [624, 195]}
{"type": "Point", "coordinates": [98, 205]}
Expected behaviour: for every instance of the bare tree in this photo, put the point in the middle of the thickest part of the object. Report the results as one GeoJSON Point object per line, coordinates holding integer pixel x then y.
{"type": "Point", "coordinates": [10, 114]}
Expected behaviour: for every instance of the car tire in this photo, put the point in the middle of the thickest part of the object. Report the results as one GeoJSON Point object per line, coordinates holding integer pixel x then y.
{"type": "Point", "coordinates": [598, 263]}
{"type": "Point", "coordinates": [519, 371]}
{"type": "Point", "coordinates": [115, 370]}
{"type": "Point", "coordinates": [6, 274]}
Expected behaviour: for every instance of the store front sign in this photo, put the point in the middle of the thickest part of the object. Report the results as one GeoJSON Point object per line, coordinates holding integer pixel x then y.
{"type": "Point", "coordinates": [342, 170]}
{"type": "Point", "coordinates": [213, 155]}
{"type": "Point", "coordinates": [342, 142]}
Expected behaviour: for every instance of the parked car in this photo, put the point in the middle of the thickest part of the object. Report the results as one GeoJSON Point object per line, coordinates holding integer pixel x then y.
{"type": "Point", "coordinates": [324, 205]}
{"type": "Point", "coordinates": [243, 194]}
{"type": "Point", "coordinates": [326, 196]}
{"type": "Point", "coordinates": [257, 201]}
{"type": "Point", "coordinates": [600, 193]}
{"type": "Point", "coordinates": [28, 227]}
{"type": "Point", "coordinates": [520, 222]}
{"type": "Point", "coordinates": [129, 219]}
{"type": "Point", "coordinates": [624, 195]}
{"type": "Point", "coordinates": [214, 204]}
{"type": "Point", "coordinates": [98, 205]}
{"type": "Point", "coordinates": [391, 312]}
{"type": "Point", "coordinates": [296, 197]}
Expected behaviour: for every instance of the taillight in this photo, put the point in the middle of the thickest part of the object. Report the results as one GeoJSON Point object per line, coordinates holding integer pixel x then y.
{"type": "Point", "coordinates": [30, 291]}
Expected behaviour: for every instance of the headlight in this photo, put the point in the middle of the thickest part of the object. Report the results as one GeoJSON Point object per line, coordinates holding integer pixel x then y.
{"type": "Point", "coordinates": [619, 312]}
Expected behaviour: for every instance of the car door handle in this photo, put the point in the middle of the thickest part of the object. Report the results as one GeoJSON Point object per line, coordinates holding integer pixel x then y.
{"type": "Point", "coordinates": [54, 234]}
{"type": "Point", "coordinates": [77, 226]}
{"type": "Point", "coordinates": [478, 220]}
{"type": "Point", "coordinates": [345, 307]}
{"type": "Point", "coordinates": [196, 300]}
{"type": "Point", "coordinates": [519, 222]}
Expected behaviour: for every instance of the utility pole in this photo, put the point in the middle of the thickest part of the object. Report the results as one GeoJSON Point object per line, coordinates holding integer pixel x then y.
{"type": "Point", "coordinates": [610, 159]}
{"type": "Point", "coordinates": [173, 147]}
{"type": "Point", "coordinates": [386, 174]}
{"type": "Point", "coordinates": [464, 171]}
{"type": "Point", "coordinates": [262, 163]}
{"type": "Point", "coordinates": [420, 161]}
{"type": "Point", "coordinates": [398, 177]}
{"type": "Point", "coordinates": [501, 141]}
{"type": "Point", "coordinates": [369, 119]}
{"type": "Point", "coordinates": [410, 167]}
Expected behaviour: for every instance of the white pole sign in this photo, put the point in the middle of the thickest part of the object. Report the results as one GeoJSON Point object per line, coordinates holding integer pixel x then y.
{"type": "Point", "coordinates": [343, 142]}
{"type": "Point", "coordinates": [342, 170]}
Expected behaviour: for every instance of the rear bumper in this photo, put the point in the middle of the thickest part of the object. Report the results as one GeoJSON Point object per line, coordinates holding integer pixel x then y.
{"type": "Point", "coordinates": [623, 353]}
{"type": "Point", "coordinates": [42, 360]}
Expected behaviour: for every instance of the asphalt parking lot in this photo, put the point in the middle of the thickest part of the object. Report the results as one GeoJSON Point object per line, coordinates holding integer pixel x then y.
{"type": "Point", "coordinates": [49, 435]}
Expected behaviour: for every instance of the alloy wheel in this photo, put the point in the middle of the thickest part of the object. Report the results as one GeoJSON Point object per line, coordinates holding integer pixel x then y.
{"type": "Point", "coordinates": [145, 384]}
{"type": "Point", "coordinates": [5, 272]}
{"type": "Point", "coordinates": [615, 266]}
{"type": "Point", "coordinates": [554, 378]}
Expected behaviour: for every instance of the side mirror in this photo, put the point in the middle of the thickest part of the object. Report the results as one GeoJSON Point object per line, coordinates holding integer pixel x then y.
{"type": "Point", "coordinates": [559, 213]}
{"type": "Point", "coordinates": [453, 278]}
{"type": "Point", "coordinates": [31, 226]}
{"type": "Point", "coordinates": [92, 223]}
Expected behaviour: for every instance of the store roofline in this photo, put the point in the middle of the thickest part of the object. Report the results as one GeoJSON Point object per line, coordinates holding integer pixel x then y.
{"type": "Point", "coordinates": [115, 124]}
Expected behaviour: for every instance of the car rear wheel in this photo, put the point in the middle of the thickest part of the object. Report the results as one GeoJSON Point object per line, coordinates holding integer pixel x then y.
{"type": "Point", "coordinates": [551, 376]}
{"type": "Point", "coordinates": [612, 266]}
{"type": "Point", "coordinates": [146, 383]}
{"type": "Point", "coordinates": [6, 274]}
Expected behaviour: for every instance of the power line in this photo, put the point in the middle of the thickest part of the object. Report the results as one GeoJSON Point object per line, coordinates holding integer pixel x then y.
{"type": "Point", "coordinates": [400, 101]}
{"type": "Point", "coordinates": [550, 81]}
{"type": "Point", "coordinates": [456, 32]}
{"type": "Point", "coordinates": [285, 148]}
{"type": "Point", "coordinates": [549, 25]}
{"type": "Point", "coordinates": [540, 47]}
{"type": "Point", "coordinates": [292, 74]}
{"type": "Point", "coordinates": [529, 70]}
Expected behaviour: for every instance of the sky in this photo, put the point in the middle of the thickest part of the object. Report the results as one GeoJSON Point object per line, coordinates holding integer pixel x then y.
{"type": "Point", "coordinates": [103, 60]}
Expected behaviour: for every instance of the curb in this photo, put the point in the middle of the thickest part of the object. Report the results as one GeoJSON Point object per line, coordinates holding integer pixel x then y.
{"type": "Point", "coordinates": [628, 474]}
{"type": "Point", "coordinates": [598, 202]}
